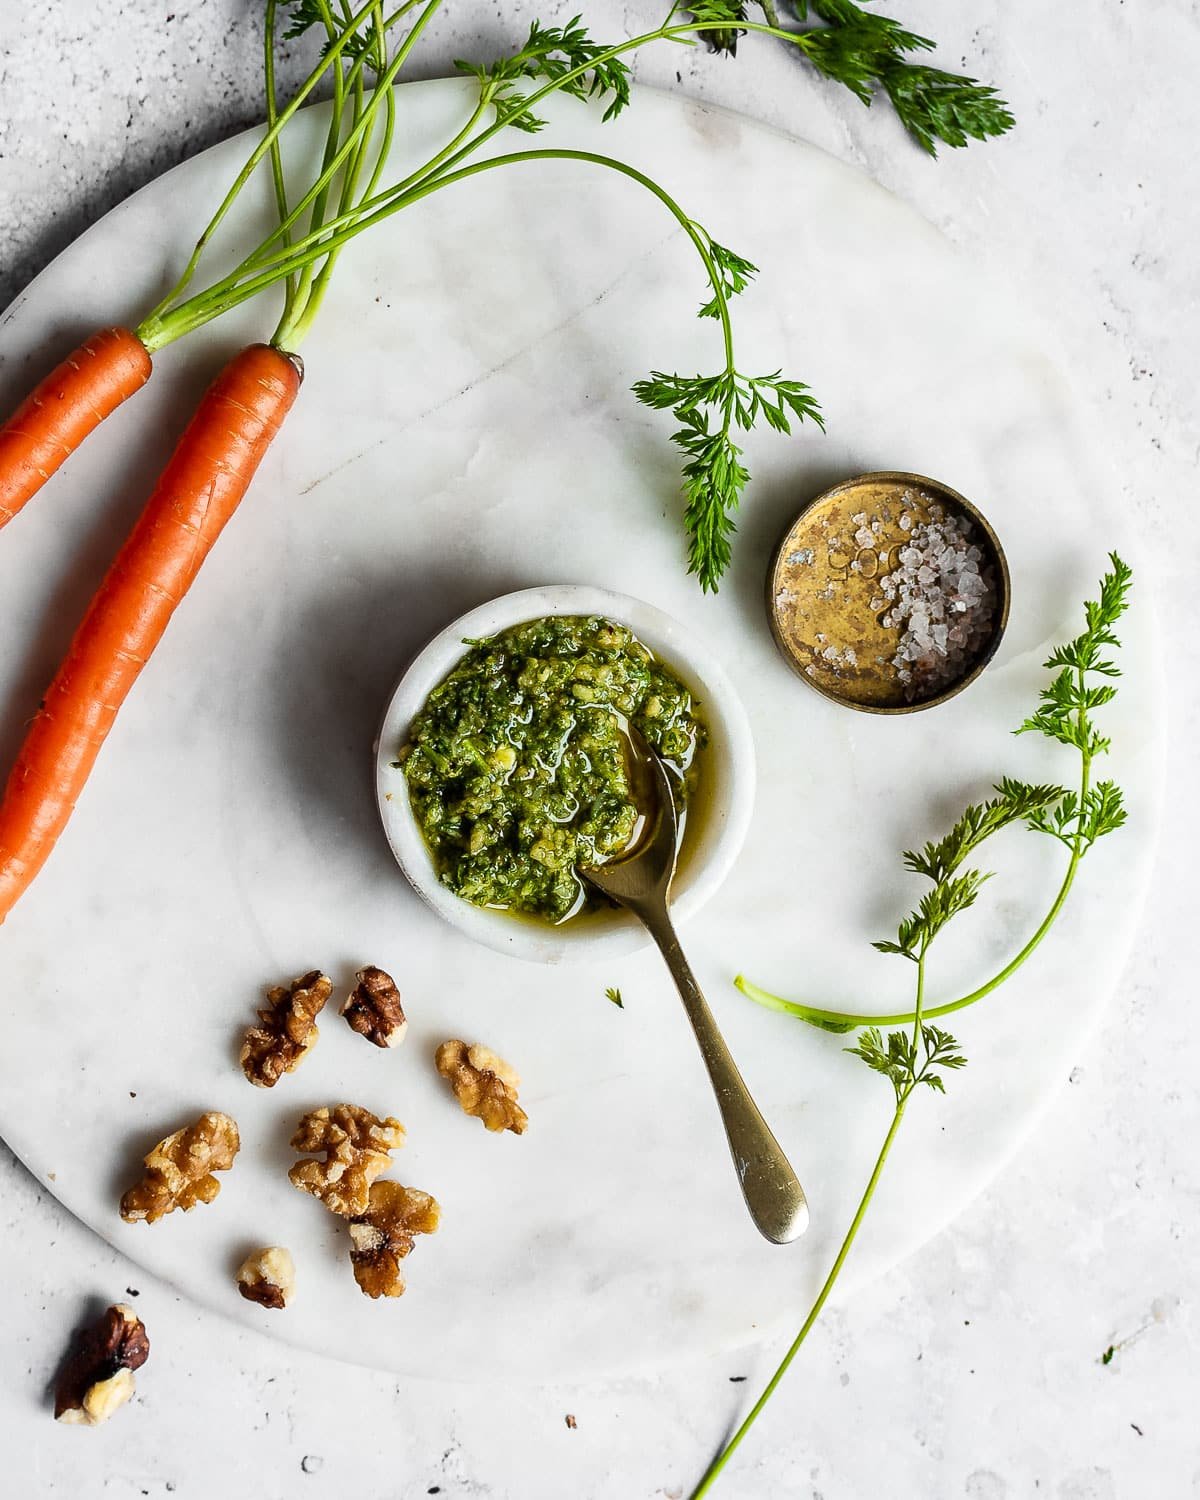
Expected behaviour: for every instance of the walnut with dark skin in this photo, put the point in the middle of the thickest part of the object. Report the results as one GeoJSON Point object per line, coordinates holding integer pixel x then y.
{"type": "Point", "coordinates": [179, 1170]}
{"type": "Point", "coordinates": [356, 1145]}
{"type": "Point", "coordinates": [98, 1378]}
{"type": "Point", "coordinates": [484, 1084]}
{"type": "Point", "coordinates": [384, 1235]}
{"type": "Point", "coordinates": [268, 1277]}
{"type": "Point", "coordinates": [287, 1029]}
{"type": "Point", "coordinates": [374, 1009]}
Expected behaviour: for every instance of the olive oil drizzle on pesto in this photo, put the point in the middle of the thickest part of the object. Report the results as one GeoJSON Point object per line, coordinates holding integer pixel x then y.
{"type": "Point", "coordinates": [516, 765]}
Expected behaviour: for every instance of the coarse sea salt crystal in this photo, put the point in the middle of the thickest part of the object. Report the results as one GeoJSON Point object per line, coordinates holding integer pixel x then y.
{"type": "Point", "coordinates": [802, 556]}
{"type": "Point", "coordinates": [939, 595]}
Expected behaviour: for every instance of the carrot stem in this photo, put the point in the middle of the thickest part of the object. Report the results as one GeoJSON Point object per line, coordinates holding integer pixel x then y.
{"type": "Point", "coordinates": [208, 305]}
{"type": "Point", "coordinates": [277, 175]}
{"type": "Point", "coordinates": [352, 175]}
{"type": "Point", "coordinates": [297, 319]}
{"type": "Point", "coordinates": [332, 158]}
{"type": "Point", "coordinates": [328, 172]}
{"type": "Point", "coordinates": [239, 182]}
{"type": "Point", "coordinates": [173, 318]}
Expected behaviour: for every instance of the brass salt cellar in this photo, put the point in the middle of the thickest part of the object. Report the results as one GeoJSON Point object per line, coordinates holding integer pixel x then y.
{"type": "Point", "coordinates": [820, 595]}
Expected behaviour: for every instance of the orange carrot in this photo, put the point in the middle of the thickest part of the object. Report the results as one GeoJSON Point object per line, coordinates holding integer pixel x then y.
{"type": "Point", "coordinates": [72, 401]}
{"type": "Point", "coordinates": [197, 493]}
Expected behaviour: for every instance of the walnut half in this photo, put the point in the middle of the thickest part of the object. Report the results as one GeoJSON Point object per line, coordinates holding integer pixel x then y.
{"type": "Point", "coordinates": [374, 1009]}
{"type": "Point", "coordinates": [179, 1170]}
{"type": "Point", "coordinates": [268, 1277]}
{"type": "Point", "coordinates": [356, 1145]}
{"type": "Point", "coordinates": [484, 1084]}
{"type": "Point", "coordinates": [287, 1029]}
{"type": "Point", "coordinates": [384, 1235]}
{"type": "Point", "coordinates": [98, 1378]}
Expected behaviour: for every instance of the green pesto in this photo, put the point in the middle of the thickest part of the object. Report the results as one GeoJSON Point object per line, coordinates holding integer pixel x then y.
{"type": "Point", "coordinates": [516, 764]}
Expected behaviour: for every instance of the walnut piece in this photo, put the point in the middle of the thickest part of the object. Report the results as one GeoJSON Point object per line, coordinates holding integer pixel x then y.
{"type": "Point", "coordinates": [179, 1170]}
{"type": "Point", "coordinates": [483, 1084]}
{"type": "Point", "coordinates": [384, 1235]}
{"type": "Point", "coordinates": [268, 1277]}
{"type": "Point", "coordinates": [374, 1009]}
{"type": "Point", "coordinates": [98, 1378]}
{"type": "Point", "coordinates": [288, 1029]}
{"type": "Point", "coordinates": [356, 1145]}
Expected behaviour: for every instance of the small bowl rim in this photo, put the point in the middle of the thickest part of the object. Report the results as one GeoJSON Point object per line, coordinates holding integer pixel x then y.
{"type": "Point", "coordinates": [895, 476]}
{"type": "Point", "coordinates": [727, 820]}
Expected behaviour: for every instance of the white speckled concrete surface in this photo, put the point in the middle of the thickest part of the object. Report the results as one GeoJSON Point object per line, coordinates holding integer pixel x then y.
{"type": "Point", "coordinates": [975, 1370]}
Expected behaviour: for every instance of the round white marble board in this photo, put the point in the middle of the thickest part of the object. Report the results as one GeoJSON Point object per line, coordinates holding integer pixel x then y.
{"type": "Point", "coordinates": [466, 428]}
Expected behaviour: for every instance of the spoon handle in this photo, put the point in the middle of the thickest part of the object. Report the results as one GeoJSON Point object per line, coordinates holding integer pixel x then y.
{"type": "Point", "coordinates": [770, 1187]}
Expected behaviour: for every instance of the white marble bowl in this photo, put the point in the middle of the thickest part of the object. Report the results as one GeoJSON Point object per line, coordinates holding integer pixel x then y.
{"type": "Point", "coordinates": [728, 764]}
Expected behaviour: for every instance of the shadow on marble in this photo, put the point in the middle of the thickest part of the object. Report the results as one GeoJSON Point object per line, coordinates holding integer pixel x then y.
{"type": "Point", "coordinates": [356, 641]}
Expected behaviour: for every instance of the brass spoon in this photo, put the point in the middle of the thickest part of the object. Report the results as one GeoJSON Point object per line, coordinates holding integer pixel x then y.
{"type": "Point", "coordinates": [640, 881]}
